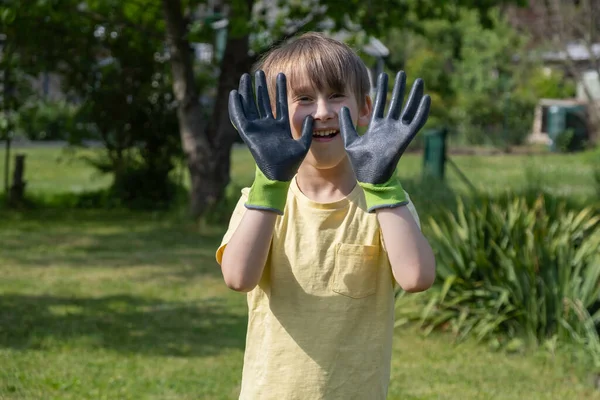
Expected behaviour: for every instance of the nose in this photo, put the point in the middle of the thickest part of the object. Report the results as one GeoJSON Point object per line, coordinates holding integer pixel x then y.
{"type": "Point", "coordinates": [324, 110]}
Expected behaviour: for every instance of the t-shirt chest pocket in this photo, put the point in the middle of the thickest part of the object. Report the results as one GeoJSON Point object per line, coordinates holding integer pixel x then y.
{"type": "Point", "coordinates": [355, 271]}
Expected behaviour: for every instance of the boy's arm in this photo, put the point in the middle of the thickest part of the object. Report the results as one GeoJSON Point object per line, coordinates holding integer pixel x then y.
{"type": "Point", "coordinates": [277, 155]}
{"type": "Point", "coordinates": [374, 157]}
{"type": "Point", "coordinates": [246, 253]}
{"type": "Point", "coordinates": [410, 255]}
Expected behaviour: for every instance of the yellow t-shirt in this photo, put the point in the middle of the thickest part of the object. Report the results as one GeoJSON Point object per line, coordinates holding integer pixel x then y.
{"type": "Point", "coordinates": [320, 321]}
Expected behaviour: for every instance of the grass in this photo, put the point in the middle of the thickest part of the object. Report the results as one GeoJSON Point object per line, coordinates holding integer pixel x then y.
{"type": "Point", "coordinates": [122, 305]}
{"type": "Point", "coordinates": [564, 174]}
{"type": "Point", "coordinates": [50, 170]}
{"type": "Point", "coordinates": [130, 306]}
{"type": "Point", "coordinates": [99, 305]}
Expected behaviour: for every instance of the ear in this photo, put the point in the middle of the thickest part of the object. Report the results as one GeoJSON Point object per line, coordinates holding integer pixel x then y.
{"type": "Point", "coordinates": [364, 114]}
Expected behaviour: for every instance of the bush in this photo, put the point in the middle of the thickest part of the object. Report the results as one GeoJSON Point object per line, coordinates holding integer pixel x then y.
{"type": "Point", "coordinates": [220, 213]}
{"type": "Point", "coordinates": [513, 268]}
{"type": "Point", "coordinates": [143, 188]}
{"type": "Point", "coordinates": [433, 197]}
{"type": "Point", "coordinates": [597, 179]}
{"type": "Point", "coordinates": [47, 120]}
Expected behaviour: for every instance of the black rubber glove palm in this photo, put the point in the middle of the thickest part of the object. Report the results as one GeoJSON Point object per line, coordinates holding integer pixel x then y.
{"type": "Point", "coordinates": [269, 138]}
{"type": "Point", "coordinates": [375, 155]}
{"type": "Point", "coordinates": [276, 153]}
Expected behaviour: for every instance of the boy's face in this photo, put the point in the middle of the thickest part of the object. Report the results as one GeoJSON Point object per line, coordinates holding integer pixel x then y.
{"type": "Point", "coordinates": [327, 149]}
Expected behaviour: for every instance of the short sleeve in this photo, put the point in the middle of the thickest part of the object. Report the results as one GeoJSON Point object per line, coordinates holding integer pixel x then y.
{"type": "Point", "coordinates": [236, 217]}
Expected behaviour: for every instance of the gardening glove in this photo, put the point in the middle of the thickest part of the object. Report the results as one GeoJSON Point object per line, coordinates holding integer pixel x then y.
{"type": "Point", "coordinates": [276, 153]}
{"type": "Point", "coordinates": [375, 155]}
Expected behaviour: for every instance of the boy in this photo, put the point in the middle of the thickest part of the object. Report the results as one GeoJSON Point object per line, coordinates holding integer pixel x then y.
{"type": "Point", "coordinates": [326, 230]}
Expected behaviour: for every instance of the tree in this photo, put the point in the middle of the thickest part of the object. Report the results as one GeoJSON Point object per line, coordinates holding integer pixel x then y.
{"type": "Point", "coordinates": [207, 144]}
{"type": "Point", "coordinates": [69, 45]}
{"type": "Point", "coordinates": [477, 89]}
{"type": "Point", "coordinates": [569, 30]}
{"type": "Point", "coordinates": [109, 56]}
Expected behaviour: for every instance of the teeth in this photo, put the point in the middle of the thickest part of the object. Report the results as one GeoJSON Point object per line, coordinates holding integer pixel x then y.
{"type": "Point", "coordinates": [324, 133]}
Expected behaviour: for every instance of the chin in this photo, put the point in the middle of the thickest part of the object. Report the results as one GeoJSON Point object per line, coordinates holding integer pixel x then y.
{"type": "Point", "coordinates": [326, 161]}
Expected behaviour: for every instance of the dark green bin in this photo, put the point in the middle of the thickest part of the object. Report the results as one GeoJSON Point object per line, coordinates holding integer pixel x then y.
{"type": "Point", "coordinates": [434, 153]}
{"type": "Point", "coordinates": [562, 119]}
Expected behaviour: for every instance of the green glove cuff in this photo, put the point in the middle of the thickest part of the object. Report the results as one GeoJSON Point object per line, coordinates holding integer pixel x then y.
{"type": "Point", "coordinates": [266, 194]}
{"type": "Point", "coordinates": [385, 195]}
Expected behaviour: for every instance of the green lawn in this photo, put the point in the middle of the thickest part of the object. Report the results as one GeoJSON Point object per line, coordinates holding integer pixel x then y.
{"type": "Point", "coordinates": [564, 174]}
{"type": "Point", "coordinates": [50, 170]}
{"type": "Point", "coordinates": [116, 305]}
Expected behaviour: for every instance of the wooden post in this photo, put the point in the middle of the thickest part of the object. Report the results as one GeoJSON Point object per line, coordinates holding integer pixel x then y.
{"type": "Point", "coordinates": [17, 189]}
{"type": "Point", "coordinates": [6, 166]}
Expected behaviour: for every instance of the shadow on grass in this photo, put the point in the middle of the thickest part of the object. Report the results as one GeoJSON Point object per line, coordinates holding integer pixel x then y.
{"type": "Point", "coordinates": [125, 324]}
{"type": "Point", "coordinates": [106, 239]}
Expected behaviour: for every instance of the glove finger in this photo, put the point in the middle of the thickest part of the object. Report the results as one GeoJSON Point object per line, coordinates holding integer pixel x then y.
{"type": "Point", "coordinates": [422, 113]}
{"type": "Point", "coordinates": [307, 132]}
{"type": "Point", "coordinates": [282, 104]}
{"type": "Point", "coordinates": [418, 122]}
{"type": "Point", "coordinates": [248, 102]}
{"type": "Point", "coordinates": [397, 96]}
{"type": "Point", "coordinates": [347, 127]}
{"type": "Point", "coordinates": [264, 103]}
{"type": "Point", "coordinates": [236, 113]}
{"type": "Point", "coordinates": [412, 104]}
{"type": "Point", "coordinates": [380, 96]}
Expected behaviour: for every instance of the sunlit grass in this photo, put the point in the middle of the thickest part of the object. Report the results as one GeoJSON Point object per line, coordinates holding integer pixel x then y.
{"type": "Point", "coordinates": [133, 306]}
{"type": "Point", "coordinates": [53, 170]}
{"type": "Point", "coordinates": [122, 305]}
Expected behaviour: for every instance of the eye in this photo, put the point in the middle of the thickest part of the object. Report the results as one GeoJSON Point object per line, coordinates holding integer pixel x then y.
{"type": "Point", "coordinates": [303, 99]}
{"type": "Point", "coordinates": [337, 95]}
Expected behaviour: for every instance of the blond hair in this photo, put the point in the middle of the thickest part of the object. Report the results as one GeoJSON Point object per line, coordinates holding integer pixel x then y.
{"type": "Point", "coordinates": [327, 63]}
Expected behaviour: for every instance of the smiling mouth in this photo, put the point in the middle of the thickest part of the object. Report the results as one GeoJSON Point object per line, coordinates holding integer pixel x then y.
{"type": "Point", "coordinates": [325, 134]}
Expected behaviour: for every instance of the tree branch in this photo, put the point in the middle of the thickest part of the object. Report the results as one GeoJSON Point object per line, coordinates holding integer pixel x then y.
{"type": "Point", "coordinates": [120, 20]}
{"type": "Point", "coordinates": [287, 36]}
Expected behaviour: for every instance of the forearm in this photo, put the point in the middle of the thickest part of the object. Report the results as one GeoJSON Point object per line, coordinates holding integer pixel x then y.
{"type": "Point", "coordinates": [246, 253]}
{"type": "Point", "coordinates": [410, 255]}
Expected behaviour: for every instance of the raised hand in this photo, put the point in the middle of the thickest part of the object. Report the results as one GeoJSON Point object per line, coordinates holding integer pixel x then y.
{"type": "Point", "coordinates": [276, 153]}
{"type": "Point", "coordinates": [269, 138]}
{"type": "Point", "coordinates": [375, 155]}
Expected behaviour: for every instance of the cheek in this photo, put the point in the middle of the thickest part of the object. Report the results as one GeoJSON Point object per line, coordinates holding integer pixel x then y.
{"type": "Point", "coordinates": [296, 121]}
{"type": "Point", "coordinates": [353, 111]}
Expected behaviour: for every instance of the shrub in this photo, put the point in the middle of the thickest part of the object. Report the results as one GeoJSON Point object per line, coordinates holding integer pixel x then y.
{"type": "Point", "coordinates": [52, 120]}
{"type": "Point", "coordinates": [433, 197]}
{"type": "Point", "coordinates": [144, 188]}
{"type": "Point", "coordinates": [220, 213]}
{"type": "Point", "coordinates": [597, 179]}
{"type": "Point", "coordinates": [513, 268]}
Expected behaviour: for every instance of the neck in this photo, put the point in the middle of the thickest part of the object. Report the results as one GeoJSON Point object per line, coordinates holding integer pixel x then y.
{"type": "Point", "coordinates": [326, 185]}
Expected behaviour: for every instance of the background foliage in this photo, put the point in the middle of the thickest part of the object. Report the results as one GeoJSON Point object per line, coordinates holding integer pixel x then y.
{"type": "Point", "coordinates": [516, 242]}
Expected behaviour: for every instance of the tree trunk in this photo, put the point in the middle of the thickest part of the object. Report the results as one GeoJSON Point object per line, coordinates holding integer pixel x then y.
{"type": "Point", "coordinates": [207, 146]}
{"type": "Point", "coordinates": [236, 61]}
{"type": "Point", "coordinates": [7, 165]}
{"type": "Point", "coordinates": [17, 189]}
{"type": "Point", "coordinates": [221, 132]}
{"type": "Point", "coordinates": [192, 126]}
